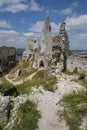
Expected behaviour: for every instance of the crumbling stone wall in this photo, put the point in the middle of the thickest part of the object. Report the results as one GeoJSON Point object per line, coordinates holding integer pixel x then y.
{"type": "Point", "coordinates": [8, 58]}
{"type": "Point", "coordinates": [31, 46]}
{"type": "Point", "coordinates": [78, 63]}
{"type": "Point", "coordinates": [5, 106]}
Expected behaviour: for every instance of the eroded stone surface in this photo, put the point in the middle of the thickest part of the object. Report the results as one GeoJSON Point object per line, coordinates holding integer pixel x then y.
{"type": "Point", "coordinates": [5, 104]}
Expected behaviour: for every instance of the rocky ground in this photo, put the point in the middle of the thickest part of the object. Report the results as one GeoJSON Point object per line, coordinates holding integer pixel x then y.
{"type": "Point", "coordinates": [49, 103]}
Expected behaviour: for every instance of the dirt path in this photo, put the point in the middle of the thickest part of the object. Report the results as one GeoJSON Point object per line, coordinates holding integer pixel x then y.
{"type": "Point", "coordinates": [48, 103]}
{"type": "Point", "coordinates": [21, 81]}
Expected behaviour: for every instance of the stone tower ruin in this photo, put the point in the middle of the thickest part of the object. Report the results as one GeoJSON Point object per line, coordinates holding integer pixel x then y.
{"type": "Point", "coordinates": [46, 46]}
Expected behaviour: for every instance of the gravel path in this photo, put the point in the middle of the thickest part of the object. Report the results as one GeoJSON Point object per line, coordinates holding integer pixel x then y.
{"type": "Point", "coordinates": [48, 103]}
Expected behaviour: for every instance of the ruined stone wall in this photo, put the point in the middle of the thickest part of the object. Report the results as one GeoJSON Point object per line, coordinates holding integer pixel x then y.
{"type": "Point", "coordinates": [5, 52]}
{"type": "Point", "coordinates": [8, 58]}
{"type": "Point", "coordinates": [5, 103]}
{"type": "Point", "coordinates": [40, 61]}
{"type": "Point", "coordinates": [32, 44]}
{"type": "Point", "coordinates": [74, 62]}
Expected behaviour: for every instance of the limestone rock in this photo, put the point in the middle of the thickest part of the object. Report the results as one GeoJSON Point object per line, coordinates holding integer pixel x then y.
{"type": "Point", "coordinates": [46, 46]}
{"type": "Point", "coordinates": [5, 104]}
{"type": "Point", "coordinates": [31, 46]}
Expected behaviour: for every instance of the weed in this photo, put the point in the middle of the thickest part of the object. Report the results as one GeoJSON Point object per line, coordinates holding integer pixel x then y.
{"type": "Point", "coordinates": [28, 117]}
{"type": "Point", "coordinates": [75, 108]}
{"type": "Point", "coordinates": [70, 53]}
{"type": "Point", "coordinates": [81, 76]}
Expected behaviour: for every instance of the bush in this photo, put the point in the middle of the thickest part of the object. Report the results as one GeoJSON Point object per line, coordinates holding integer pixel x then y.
{"type": "Point", "coordinates": [70, 53]}
{"type": "Point", "coordinates": [5, 86]}
{"type": "Point", "coordinates": [81, 76]}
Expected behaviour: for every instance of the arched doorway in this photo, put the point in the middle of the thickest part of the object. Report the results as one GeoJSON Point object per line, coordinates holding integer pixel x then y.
{"type": "Point", "coordinates": [41, 64]}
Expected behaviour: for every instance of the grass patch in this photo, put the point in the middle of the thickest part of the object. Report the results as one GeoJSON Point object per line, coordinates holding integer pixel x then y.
{"type": "Point", "coordinates": [70, 73]}
{"type": "Point", "coordinates": [47, 82]}
{"type": "Point", "coordinates": [8, 89]}
{"type": "Point", "coordinates": [38, 79]}
{"type": "Point", "coordinates": [75, 108]}
{"type": "Point", "coordinates": [28, 117]}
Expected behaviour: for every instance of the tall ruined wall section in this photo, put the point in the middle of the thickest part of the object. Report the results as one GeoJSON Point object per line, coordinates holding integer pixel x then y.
{"type": "Point", "coordinates": [46, 46]}
{"type": "Point", "coordinates": [74, 62]}
{"type": "Point", "coordinates": [64, 37]}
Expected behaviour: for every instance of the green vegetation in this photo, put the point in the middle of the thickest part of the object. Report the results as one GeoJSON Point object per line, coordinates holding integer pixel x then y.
{"type": "Point", "coordinates": [40, 78]}
{"type": "Point", "coordinates": [69, 73]}
{"type": "Point", "coordinates": [75, 108]}
{"type": "Point", "coordinates": [47, 82]}
{"type": "Point", "coordinates": [4, 85]}
{"type": "Point", "coordinates": [28, 117]}
{"type": "Point", "coordinates": [81, 76]}
{"type": "Point", "coordinates": [25, 67]}
{"type": "Point", "coordinates": [70, 53]}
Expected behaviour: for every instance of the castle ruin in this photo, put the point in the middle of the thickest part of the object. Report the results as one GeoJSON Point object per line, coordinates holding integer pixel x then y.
{"type": "Point", "coordinates": [53, 51]}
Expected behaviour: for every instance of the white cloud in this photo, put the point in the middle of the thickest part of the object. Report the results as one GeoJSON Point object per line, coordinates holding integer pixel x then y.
{"type": "Point", "coordinates": [3, 2]}
{"type": "Point", "coordinates": [78, 40]}
{"type": "Point", "coordinates": [55, 11]}
{"type": "Point", "coordinates": [12, 38]}
{"type": "Point", "coordinates": [10, 33]}
{"type": "Point", "coordinates": [37, 27]}
{"type": "Point", "coordinates": [4, 24]}
{"type": "Point", "coordinates": [28, 34]}
{"type": "Point", "coordinates": [77, 30]}
{"type": "Point", "coordinates": [79, 22]}
{"type": "Point", "coordinates": [66, 11]}
{"type": "Point", "coordinates": [35, 6]}
{"type": "Point", "coordinates": [75, 4]}
{"type": "Point", "coordinates": [12, 6]}
{"type": "Point", "coordinates": [19, 5]}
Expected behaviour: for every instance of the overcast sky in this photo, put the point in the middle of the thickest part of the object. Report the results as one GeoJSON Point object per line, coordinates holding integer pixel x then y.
{"type": "Point", "coordinates": [21, 19]}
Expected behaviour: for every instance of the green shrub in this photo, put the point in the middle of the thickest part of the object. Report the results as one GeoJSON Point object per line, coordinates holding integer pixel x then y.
{"type": "Point", "coordinates": [81, 75]}
{"type": "Point", "coordinates": [5, 86]}
{"type": "Point", "coordinates": [70, 53]}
